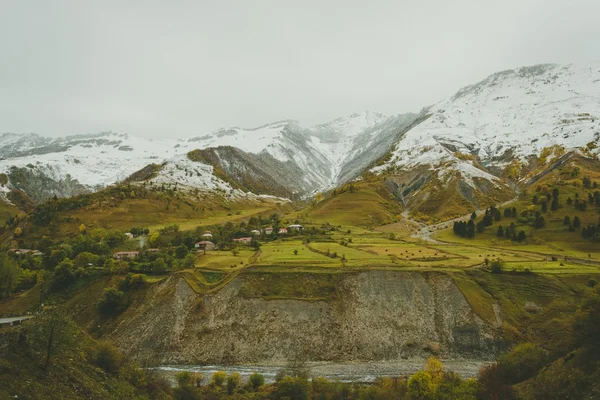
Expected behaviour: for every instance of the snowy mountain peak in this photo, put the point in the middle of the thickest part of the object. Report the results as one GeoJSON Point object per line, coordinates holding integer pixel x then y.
{"type": "Point", "coordinates": [509, 115]}
{"type": "Point", "coordinates": [348, 127]}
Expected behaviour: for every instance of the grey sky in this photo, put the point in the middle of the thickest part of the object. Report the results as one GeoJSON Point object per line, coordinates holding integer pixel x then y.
{"type": "Point", "coordinates": [182, 68]}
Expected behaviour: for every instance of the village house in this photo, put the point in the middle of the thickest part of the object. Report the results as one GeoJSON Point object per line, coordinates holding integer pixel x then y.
{"type": "Point", "coordinates": [283, 231]}
{"type": "Point", "coordinates": [295, 227]}
{"type": "Point", "coordinates": [129, 235]}
{"type": "Point", "coordinates": [121, 255]}
{"type": "Point", "coordinates": [268, 230]}
{"type": "Point", "coordinates": [25, 252]}
{"type": "Point", "coordinates": [244, 240]}
{"type": "Point", "coordinates": [255, 232]}
{"type": "Point", "coordinates": [207, 235]}
{"type": "Point", "coordinates": [205, 245]}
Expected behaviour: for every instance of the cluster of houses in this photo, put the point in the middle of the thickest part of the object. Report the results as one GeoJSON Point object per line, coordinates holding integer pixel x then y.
{"type": "Point", "coordinates": [123, 255]}
{"type": "Point", "coordinates": [24, 252]}
{"type": "Point", "coordinates": [206, 245]}
{"type": "Point", "coordinates": [282, 231]}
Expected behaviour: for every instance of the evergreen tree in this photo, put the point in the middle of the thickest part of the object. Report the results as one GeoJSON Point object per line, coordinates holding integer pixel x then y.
{"type": "Point", "coordinates": [540, 222]}
{"type": "Point", "coordinates": [471, 229]}
{"type": "Point", "coordinates": [500, 231]}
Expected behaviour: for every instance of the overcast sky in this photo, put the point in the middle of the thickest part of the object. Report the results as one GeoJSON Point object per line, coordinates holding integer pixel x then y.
{"type": "Point", "coordinates": [182, 68]}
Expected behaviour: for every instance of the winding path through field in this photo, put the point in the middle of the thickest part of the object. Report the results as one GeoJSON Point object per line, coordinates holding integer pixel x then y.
{"type": "Point", "coordinates": [424, 232]}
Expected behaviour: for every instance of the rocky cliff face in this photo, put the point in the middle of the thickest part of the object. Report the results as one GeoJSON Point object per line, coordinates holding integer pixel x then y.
{"type": "Point", "coordinates": [373, 316]}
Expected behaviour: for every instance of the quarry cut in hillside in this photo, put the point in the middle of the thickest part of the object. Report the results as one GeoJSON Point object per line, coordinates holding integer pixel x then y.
{"type": "Point", "coordinates": [370, 316]}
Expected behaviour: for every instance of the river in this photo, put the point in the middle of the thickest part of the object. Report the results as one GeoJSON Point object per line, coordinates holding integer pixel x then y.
{"type": "Point", "coordinates": [345, 372]}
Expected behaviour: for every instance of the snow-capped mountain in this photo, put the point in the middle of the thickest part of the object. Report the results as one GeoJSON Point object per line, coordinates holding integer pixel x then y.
{"type": "Point", "coordinates": [304, 160]}
{"type": "Point", "coordinates": [466, 141]}
{"type": "Point", "coordinates": [510, 115]}
{"type": "Point", "coordinates": [324, 153]}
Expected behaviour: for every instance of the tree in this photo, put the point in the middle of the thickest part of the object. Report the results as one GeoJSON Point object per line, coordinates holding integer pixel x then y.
{"type": "Point", "coordinates": [185, 389]}
{"type": "Point", "coordinates": [470, 229]}
{"type": "Point", "coordinates": [218, 378]}
{"type": "Point", "coordinates": [184, 378]}
{"type": "Point", "coordinates": [480, 226]}
{"type": "Point", "coordinates": [435, 369]}
{"type": "Point", "coordinates": [500, 232]}
{"type": "Point", "coordinates": [17, 232]}
{"type": "Point", "coordinates": [522, 362]}
{"type": "Point", "coordinates": [82, 229]}
{"type": "Point", "coordinates": [256, 380]}
{"type": "Point", "coordinates": [233, 382]}
{"type": "Point", "coordinates": [63, 276]}
{"type": "Point", "coordinates": [497, 266]}
{"type": "Point", "coordinates": [319, 197]}
{"type": "Point", "coordinates": [292, 389]}
{"type": "Point", "coordinates": [576, 222]}
{"type": "Point", "coordinates": [540, 222]}
{"type": "Point", "coordinates": [492, 384]}
{"type": "Point", "coordinates": [154, 238]}
{"type": "Point", "coordinates": [567, 220]}
{"type": "Point", "coordinates": [159, 265]}
{"type": "Point", "coordinates": [295, 252]}
{"type": "Point", "coordinates": [52, 332]}
{"type": "Point", "coordinates": [181, 251]}
{"type": "Point", "coordinates": [474, 215]}
{"type": "Point", "coordinates": [188, 262]}
{"type": "Point", "coordinates": [587, 182]}
{"type": "Point", "coordinates": [9, 275]}
{"type": "Point", "coordinates": [84, 259]}
{"type": "Point", "coordinates": [420, 386]}
{"type": "Point", "coordinates": [106, 356]}
{"type": "Point", "coordinates": [112, 302]}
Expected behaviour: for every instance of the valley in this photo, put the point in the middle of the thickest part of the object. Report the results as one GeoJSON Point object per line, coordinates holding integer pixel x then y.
{"type": "Point", "coordinates": [355, 249]}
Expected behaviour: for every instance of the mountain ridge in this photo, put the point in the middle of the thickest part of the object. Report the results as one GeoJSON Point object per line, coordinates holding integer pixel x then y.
{"type": "Point", "coordinates": [480, 140]}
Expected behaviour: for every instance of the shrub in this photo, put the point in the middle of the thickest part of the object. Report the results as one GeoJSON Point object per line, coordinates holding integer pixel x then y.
{"type": "Point", "coordinates": [233, 381]}
{"type": "Point", "coordinates": [420, 386]}
{"type": "Point", "coordinates": [63, 276]}
{"type": "Point", "coordinates": [497, 266]}
{"type": "Point", "coordinates": [9, 275]}
{"type": "Point", "coordinates": [112, 302]}
{"type": "Point", "coordinates": [522, 362]}
{"type": "Point", "coordinates": [218, 378]}
{"type": "Point", "coordinates": [592, 282]}
{"type": "Point", "coordinates": [292, 389]}
{"type": "Point", "coordinates": [184, 378]}
{"type": "Point", "coordinates": [256, 380]}
{"type": "Point", "coordinates": [106, 356]}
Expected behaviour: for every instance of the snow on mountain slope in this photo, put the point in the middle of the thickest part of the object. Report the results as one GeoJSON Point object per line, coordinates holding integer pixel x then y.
{"type": "Point", "coordinates": [93, 160]}
{"type": "Point", "coordinates": [97, 160]}
{"type": "Point", "coordinates": [321, 151]}
{"type": "Point", "coordinates": [509, 115]}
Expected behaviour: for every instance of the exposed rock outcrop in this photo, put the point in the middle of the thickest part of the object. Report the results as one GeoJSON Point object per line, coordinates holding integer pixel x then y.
{"type": "Point", "coordinates": [375, 315]}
